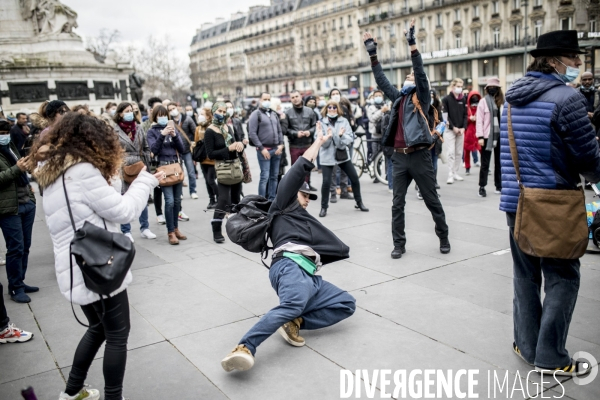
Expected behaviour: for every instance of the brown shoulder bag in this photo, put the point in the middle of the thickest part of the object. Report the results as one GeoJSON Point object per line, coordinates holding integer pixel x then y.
{"type": "Point", "coordinates": [550, 223]}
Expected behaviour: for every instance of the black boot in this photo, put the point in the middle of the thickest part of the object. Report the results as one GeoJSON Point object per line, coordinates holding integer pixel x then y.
{"type": "Point", "coordinates": [216, 228]}
{"type": "Point", "coordinates": [444, 246]}
{"type": "Point", "coordinates": [211, 205]}
{"type": "Point", "coordinates": [361, 206]}
{"type": "Point", "coordinates": [323, 212]}
{"type": "Point", "coordinates": [398, 251]}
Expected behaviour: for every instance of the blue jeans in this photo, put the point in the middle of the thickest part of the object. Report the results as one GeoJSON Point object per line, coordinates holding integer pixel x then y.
{"type": "Point", "coordinates": [269, 169]}
{"type": "Point", "coordinates": [540, 330]}
{"type": "Point", "coordinates": [318, 302]}
{"type": "Point", "coordinates": [172, 205]}
{"type": "Point", "coordinates": [126, 228]}
{"type": "Point", "coordinates": [17, 235]}
{"type": "Point", "coordinates": [191, 170]}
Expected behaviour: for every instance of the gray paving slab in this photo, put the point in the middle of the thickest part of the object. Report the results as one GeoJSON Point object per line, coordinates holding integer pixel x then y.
{"type": "Point", "coordinates": [569, 388]}
{"type": "Point", "coordinates": [158, 371]}
{"type": "Point", "coordinates": [46, 385]}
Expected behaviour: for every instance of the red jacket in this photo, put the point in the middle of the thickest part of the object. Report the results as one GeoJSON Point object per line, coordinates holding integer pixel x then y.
{"type": "Point", "coordinates": [471, 142]}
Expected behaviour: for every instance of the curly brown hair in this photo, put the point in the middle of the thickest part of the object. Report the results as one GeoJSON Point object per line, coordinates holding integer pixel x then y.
{"type": "Point", "coordinates": [84, 138]}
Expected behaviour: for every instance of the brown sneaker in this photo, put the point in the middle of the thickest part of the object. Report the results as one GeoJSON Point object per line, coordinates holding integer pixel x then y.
{"type": "Point", "coordinates": [173, 238]}
{"type": "Point", "coordinates": [179, 235]}
{"type": "Point", "coordinates": [240, 358]}
{"type": "Point", "coordinates": [290, 332]}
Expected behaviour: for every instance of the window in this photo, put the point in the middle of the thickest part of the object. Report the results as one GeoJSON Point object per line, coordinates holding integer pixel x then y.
{"type": "Point", "coordinates": [538, 29]}
{"type": "Point", "coordinates": [496, 38]}
{"type": "Point", "coordinates": [379, 33]}
{"type": "Point", "coordinates": [592, 25]}
{"type": "Point", "coordinates": [439, 19]}
{"type": "Point", "coordinates": [537, 3]}
{"type": "Point", "coordinates": [516, 4]}
{"type": "Point", "coordinates": [475, 11]}
{"type": "Point", "coordinates": [516, 34]}
{"type": "Point", "coordinates": [318, 85]}
{"type": "Point", "coordinates": [488, 67]}
{"type": "Point", "coordinates": [515, 64]}
{"type": "Point", "coordinates": [422, 22]}
{"type": "Point", "coordinates": [440, 71]}
{"type": "Point", "coordinates": [333, 25]}
{"type": "Point", "coordinates": [457, 14]}
{"type": "Point", "coordinates": [422, 46]}
{"type": "Point", "coordinates": [476, 39]}
{"type": "Point", "coordinates": [422, 4]}
{"type": "Point", "coordinates": [341, 22]}
{"type": "Point", "coordinates": [457, 41]}
{"type": "Point", "coordinates": [461, 69]}
{"type": "Point", "coordinates": [349, 20]}
{"type": "Point", "coordinates": [495, 9]}
{"type": "Point", "coordinates": [439, 43]}
{"type": "Point", "coordinates": [392, 30]}
{"type": "Point", "coordinates": [565, 23]}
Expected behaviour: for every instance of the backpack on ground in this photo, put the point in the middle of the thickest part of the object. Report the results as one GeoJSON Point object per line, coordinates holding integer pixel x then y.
{"type": "Point", "coordinates": [250, 224]}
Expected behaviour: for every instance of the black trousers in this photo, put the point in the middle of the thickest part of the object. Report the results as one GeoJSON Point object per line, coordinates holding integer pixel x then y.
{"type": "Point", "coordinates": [115, 331]}
{"type": "Point", "coordinates": [417, 166]}
{"type": "Point", "coordinates": [158, 201]}
{"type": "Point", "coordinates": [228, 195]}
{"type": "Point", "coordinates": [3, 315]}
{"type": "Point", "coordinates": [210, 177]}
{"type": "Point", "coordinates": [348, 168]}
{"type": "Point", "coordinates": [485, 166]}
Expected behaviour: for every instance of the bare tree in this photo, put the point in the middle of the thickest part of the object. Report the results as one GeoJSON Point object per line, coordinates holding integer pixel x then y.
{"type": "Point", "coordinates": [101, 45]}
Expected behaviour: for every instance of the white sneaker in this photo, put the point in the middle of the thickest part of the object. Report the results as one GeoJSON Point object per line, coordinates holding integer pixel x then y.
{"type": "Point", "coordinates": [161, 220]}
{"type": "Point", "coordinates": [12, 334]}
{"type": "Point", "coordinates": [391, 191]}
{"type": "Point", "coordinates": [450, 180]}
{"type": "Point", "coordinates": [130, 237]}
{"type": "Point", "coordinates": [2, 261]}
{"type": "Point", "coordinates": [85, 393]}
{"type": "Point", "coordinates": [478, 164]}
{"type": "Point", "coordinates": [458, 177]}
{"type": "Point", "coordinates": [147, 234]}
{"type": "Point", "coordinates": [194, 196]}
{"type": "Point", "coordinates": [183, 217]}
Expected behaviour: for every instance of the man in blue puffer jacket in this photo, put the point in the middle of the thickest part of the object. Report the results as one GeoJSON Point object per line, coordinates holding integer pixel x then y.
{"type": "Point", "coordinates": [556, 143]}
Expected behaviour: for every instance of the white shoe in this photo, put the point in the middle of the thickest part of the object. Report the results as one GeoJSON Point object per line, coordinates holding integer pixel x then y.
{"type": "Point", "coordinates": [478, 164]}
{"type": "Point", "coordinates": [194, 196]}
{"type": "Point", "coordinates": [161, 220]}
{"type": "Point", "coordinates": [450, 180]}
{"type": "Point", "coordinates": [130, 237]}
{"type": "Point", "coordinates": [85, 393]}
{"type": "Point", "coordinates": [458, 177]}
{"type": "Point", "coordinates": [391, 191]}
{"type": "Point", "coordinates": [147, 234]}
{"type": "Point", "coordinates": [183, 217]}
{"type": "Point", "coordinates": [2, 261]}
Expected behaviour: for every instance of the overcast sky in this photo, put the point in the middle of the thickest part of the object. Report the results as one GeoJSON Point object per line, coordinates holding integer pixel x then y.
{"type": "Point", "coordinates": [137, 19]}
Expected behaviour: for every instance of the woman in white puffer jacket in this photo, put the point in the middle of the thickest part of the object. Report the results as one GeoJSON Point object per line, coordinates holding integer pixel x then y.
{"type": "Point", "coordinates": [86, 150]}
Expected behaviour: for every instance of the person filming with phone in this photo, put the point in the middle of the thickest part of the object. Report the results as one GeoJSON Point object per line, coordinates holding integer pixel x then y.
{"type": "Point", "coordinates": [408, 133]}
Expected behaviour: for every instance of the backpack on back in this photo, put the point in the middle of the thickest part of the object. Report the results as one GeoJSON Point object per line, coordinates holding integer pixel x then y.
{"type": "Point", "coordinates": [250, 225]}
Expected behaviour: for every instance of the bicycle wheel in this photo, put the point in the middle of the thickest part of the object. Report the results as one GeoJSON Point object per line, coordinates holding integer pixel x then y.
{"type": "Point", "coordinates": [358, 160]}
{"type": "Point", "coordinates": [380, 168]}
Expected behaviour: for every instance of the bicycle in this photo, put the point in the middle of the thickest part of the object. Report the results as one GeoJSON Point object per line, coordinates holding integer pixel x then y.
{"type": "Point", "coordinates": [376, 168]}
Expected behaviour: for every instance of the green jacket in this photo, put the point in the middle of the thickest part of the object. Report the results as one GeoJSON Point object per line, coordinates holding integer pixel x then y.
{"type": "Point", "coordinates": [9, 203]}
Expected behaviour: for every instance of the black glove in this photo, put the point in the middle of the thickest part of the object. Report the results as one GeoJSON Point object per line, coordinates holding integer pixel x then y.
{"type": "Point", "coordinates": [371, 46]}
{"type": "Point", "coordinates": [410, 36]}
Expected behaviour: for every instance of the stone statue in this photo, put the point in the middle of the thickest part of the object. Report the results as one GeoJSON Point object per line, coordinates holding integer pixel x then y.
{"type": "Point", "coordinates": [49, 17]}
{"type": "Point", "coordinates": [135, 87]}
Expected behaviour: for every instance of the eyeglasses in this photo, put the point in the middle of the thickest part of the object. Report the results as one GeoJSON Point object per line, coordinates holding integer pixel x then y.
{"type": "Point", "coordinates": [332, 107]}
{"type": "Point", "coordinates": [571, 56]}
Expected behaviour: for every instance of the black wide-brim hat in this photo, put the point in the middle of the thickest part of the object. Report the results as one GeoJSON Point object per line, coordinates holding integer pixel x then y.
{"type": "Point", "coordinates": [557, 43]}
{"type": "Point", "coordinates": [306, 189]}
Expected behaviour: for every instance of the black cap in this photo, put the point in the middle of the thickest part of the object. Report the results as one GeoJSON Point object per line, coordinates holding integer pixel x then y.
{"type": "Point", "coordinates": [306, 189]}
{"type": "Point", "coordinates": [557, 43]}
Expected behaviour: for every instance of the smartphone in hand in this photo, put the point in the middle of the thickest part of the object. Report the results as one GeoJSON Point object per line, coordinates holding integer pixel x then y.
{"type": "Point", "coordinates": [171, 124]}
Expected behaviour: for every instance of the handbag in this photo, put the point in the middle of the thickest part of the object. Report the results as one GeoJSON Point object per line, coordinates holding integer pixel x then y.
{"type": "Point", "coordinates": [103, 257]}
{"type": "Point", "coordinates": [549, 223]}
{"type": "Point", "coordinates": [341, 155]}
{"type": "Point", "coordinates": [173, 173]}
{"type": "Point", "coordinates": [229, 172]}
{"type": "Point", "coordinates": [130, 172]}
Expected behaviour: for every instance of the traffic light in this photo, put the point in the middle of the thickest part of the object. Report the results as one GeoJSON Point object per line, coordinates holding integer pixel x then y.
{"type": "Point", "coordinates": [205, 95]}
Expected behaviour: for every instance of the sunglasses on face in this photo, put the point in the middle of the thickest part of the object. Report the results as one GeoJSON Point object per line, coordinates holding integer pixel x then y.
{"type": "Point", "coordinates": [332, 107]}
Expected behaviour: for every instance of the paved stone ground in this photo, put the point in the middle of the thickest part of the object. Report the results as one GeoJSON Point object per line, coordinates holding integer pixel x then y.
{"type": "Point", "coordinates": [190, 304]}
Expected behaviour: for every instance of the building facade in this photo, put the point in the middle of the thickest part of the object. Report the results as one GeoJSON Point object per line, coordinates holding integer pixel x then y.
{"type": "Point", "coordinates": [315, 45]}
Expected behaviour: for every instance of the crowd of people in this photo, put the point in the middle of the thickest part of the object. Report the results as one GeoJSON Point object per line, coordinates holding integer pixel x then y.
{"type": "Point", "coordinates": [115, 164]}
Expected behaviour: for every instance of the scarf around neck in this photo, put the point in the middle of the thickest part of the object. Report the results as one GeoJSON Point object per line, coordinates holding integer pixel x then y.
{"type": "Point", "coordinates": [129, 128]}
{"type": "Point", "coordinates": [494, 134]}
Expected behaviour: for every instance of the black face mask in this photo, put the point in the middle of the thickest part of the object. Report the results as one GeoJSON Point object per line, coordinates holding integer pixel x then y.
{"type": "Point", "coordinates": [492, 91]}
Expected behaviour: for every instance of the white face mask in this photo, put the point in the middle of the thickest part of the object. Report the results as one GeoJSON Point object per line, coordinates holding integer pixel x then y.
{"type": "Point", "coordinates": [113, 112]}
{"type": "Point", "coordinates": [336, 98]}
{"type": "Point", "coordinates": [174, 112]}
{"type": "Point", "coordinates": [230, 111]}
{"type": "Point", "coordinates": [201, 118]}
{"type": "Point", "coordinates": [189, 113]}
{"type": "Point", "coordinates": [458, 90]}
{"type": "Point", "coordinates": [408, 84]}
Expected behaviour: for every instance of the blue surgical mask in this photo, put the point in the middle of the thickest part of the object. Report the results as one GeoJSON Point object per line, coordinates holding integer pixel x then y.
{"type": "Point", "coordinates": [128, 117]}
{"type": "Point", "coordinates": [218, 119]}
{"type": "Point", "coordinates": [4, 140]}
{"type": "Point", "coordinates": [322, 103]}
{"type": "Point", "coordinates": [266, 104]}
{"type": "Point", "coordinates": [378, 100]}
{"type": "Point", "coordinates": [570, 76]}
{"type": "Point", "coordinates": [162, 121]}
